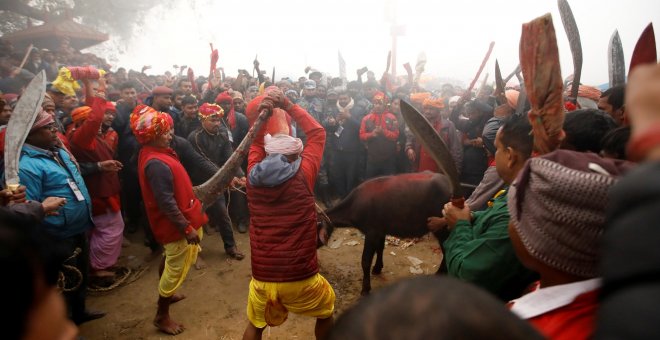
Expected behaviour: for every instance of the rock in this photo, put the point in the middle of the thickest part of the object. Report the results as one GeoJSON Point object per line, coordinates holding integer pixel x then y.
{"type": "Point", "coordinates": [336, 243]}
{"type": "Point", "coordinates": [414, 261]}
{"type": "Point", "coordinates": [416, 270]}
{"type": "Point", "coordinates": [352, 243]}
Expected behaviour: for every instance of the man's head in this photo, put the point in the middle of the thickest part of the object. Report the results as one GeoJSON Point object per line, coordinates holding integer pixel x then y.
{"type": "Point", "coordinates": [331, 97]}
{"type": "Point", "coordinates": [343, 99]}
{"type": "Point", "coordinates": [128, 93]}
{"type": "Point", "coordinates": [239, 103]}
{"type": "Point", "coordinates": [5, 112]}
{"type": "Point", "coordinates": [48, 105]}
{"type": "Point", "coordinates": [69, 103]}
{"type": "Point", "coordinates": [585, 130]}
{"type": "Point", "coordinates": [558, 205]}
{"type": "Point", "coordinates": [380, 103]}
{"type": "Point", "coordinates": [612, 101]}
{"type": "Point", "coordinates": [189, 106]}
{"type": "Point", "coordinates": [432, 108]}
{"type": "Point", "coordinates": [177, 96]}
{"type": "Point", "coordinates": [283, 144]}
{"type": "Point", "coordinates": [151, 127]}
{"type": "Point", "coordinates": [109, 114]}
{"type": "Point", "coordinates": [225, 101]}
{"type": "Point", "coordinates": [43, 133]}
{"type": "Point", "coordinates": [55, 94]}
{"type": "Point", "coordinates": [353, 88]}
{"type": "Point", "coordinates": [309, 88]}
{"type": "Point", "coordinates": [284, 85]}
{"type": "Point", "coordinates": [185, 86]}
{"type": "Point", "coordinates": [513, 146]}
{"type": "Point", "coordinates": [370, 88]}
{"type": "Point", "coordinates": [316, 76]}
{"type": "Point", "coordinates": [321, 91]}
{"type": "Point", "coordinates": [162, 98]}
{"type": "Point", "coordinates": [211, 117]}
{"type": "Point", "coordinates": [251, 92]}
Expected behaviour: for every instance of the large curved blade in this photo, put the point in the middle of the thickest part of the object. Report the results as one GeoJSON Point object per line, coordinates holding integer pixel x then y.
{"type": "Point", "coordinates": [645, 50]}
{"type": "Point", "coordinates": [433, 144]}
{"type": "Point", "coordinates": [209, 191]}
{"type": "Point", "coordinates": [499, 84]}
{"type": "Point", "coordinates": [615, 62]}
{"type": "Point", "coordinates": [573, 34]}
{"type": "Point", "coordinates": [19, 125]}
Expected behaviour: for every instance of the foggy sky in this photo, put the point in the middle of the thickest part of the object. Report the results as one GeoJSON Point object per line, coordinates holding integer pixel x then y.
{"type": "Point", "coordinates": [292, 34]}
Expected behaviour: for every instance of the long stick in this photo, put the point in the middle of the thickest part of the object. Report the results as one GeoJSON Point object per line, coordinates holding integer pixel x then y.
{"type": "Point", "coordinates": [27, 54]}
{"type": "Point", "coordinates": [481, 68]}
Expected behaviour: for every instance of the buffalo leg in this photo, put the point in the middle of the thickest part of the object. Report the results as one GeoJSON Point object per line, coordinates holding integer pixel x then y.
{"type": "Point", "coordinates": [380, 246]}
{"type": "Point", "coordinates": [370, 246]}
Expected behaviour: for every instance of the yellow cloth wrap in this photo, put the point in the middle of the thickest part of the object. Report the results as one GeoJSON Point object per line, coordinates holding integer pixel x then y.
{"type": "Point", "coordinates": [65, 82]}
{"type": "Point", "coordinates": [262, 88]}
{"type": "Point", "coordinates": [269, 303]}
{"type": "Point", "coordinates": [179, 257]}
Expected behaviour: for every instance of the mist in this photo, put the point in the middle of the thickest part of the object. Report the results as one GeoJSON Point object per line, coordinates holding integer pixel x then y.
{"type": "Point", "coordinates": [290, 35]}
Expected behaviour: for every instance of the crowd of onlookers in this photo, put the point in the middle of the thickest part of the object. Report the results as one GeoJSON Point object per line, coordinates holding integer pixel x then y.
{"type": "Point", "coordinates": [549, 222]}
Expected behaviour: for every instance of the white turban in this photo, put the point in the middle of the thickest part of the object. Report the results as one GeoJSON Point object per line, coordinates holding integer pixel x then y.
{"type": "Point", "coordinates": [282, 144]}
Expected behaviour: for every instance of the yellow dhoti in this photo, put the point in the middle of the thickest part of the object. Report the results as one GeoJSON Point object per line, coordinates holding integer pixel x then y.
{"type": "Point", "coordinates": [269, 303]}
{"type": "Point", "coordinates": [179, 257]}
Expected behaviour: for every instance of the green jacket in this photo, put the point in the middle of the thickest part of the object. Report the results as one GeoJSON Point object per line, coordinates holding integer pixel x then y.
{"type": "Point", "coordinates": [481, 253]}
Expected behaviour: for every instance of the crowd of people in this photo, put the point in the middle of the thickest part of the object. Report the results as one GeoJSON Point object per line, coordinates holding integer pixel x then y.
{"type": "Point", "coordinates": [124, 151]}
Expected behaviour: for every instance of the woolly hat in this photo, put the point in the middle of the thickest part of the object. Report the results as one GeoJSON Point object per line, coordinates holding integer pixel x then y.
{"type": "Point", "coordinates": [81, 113]}
{"type": "Point", "coordinates": [558, 206]}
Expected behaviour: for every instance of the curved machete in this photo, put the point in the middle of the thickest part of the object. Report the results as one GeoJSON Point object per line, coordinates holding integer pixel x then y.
{"type": "Point", "coordinates": [645, 50]}
{"type": "Point", "coordinates": [19, 126]}
{"type": "Point", "coordinates": [573, 34]}
{"type": "Point", "coordinates": [615, 62]}
{"type": "Point", "coordinates": [435, 146]}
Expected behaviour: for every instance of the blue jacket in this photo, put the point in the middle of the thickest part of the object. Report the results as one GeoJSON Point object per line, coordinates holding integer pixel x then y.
{"type": "Point", "coordinates": [44, 177]}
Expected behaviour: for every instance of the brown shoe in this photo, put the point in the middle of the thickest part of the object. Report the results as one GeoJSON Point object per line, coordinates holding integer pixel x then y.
{"type": "Point", "coordinates": [234, 253]}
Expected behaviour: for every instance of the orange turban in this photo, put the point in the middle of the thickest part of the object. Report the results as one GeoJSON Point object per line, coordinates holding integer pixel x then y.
{"type": "Point", "coordinates": [207, 110]}
{"type": "Point", "coordinates": [418, 98]}
{"type": "Point", "coordinates": [436, 103]}
{"type": "Point", "coordinates": [147, 123]}
{"type": "Point", "coordinates": [585, 91]}
{"type": "Point", "coordinates": [79, 114]}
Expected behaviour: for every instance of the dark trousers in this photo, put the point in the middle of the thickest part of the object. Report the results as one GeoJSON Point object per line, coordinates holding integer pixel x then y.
{"type": "Point", "coordinates": [75, 299]}
{"type": "Point", "coordinates": [381, 168]}
{"type": "Point", "coordinates": [219, 217]}
{"type": "Point", "coordinates": [344, 172]}
{"type": "Point", "coordinates": [238, 208]}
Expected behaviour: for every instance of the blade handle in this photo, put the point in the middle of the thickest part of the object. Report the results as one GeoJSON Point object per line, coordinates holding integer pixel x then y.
{"type": "Point", "coordinates": [458, 202]}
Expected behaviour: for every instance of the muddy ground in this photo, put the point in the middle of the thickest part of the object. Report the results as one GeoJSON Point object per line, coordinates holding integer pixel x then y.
{"type": "Point", "coordinates": [217, 295]}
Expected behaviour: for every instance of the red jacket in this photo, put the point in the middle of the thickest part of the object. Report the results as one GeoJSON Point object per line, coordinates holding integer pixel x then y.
{"type": "Point", "coordinates": [283, 218]}
{"type": "Point", "coordinates": [379, 147]}
{"type": "Point", "coordinates": [164, 230]}
{"type": "Point", "coordinates": [574, 321]}
{"type": "Point", "coordinates": [88, 146]}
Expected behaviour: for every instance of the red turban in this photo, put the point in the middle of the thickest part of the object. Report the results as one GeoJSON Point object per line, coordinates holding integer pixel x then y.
{"type": "Point", "coordinates": [81, 113]}
{"type": "Point", "coordinates": [148, 124]}
{"type": "Point", "coordinates": [379, 96]}
{"type": "Point", "coordinates": [225, 97]}
{"type": "Point", "coordinates": [109, 106]}
{"type": "Point", "coordinates": [207, 110]}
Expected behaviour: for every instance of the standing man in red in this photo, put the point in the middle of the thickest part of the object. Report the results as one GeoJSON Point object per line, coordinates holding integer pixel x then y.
{"type": "Point", "coordinates": [93, 141]}
{"type": "Point", "coordinates": [174, 213]}
{"type": "Point", "coordinates": [283, 236]}
{"type": "Point", "coordinates": [379, 131]}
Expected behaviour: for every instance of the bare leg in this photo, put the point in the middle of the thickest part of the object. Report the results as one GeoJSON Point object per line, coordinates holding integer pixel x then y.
{"type": "Point", "coordinates": [322, 327]}
{"type": "Point", "coordinates": [163, 321]}
{"type": "Point", "coordinates": [252, 332]}
{"type": "Point", "coordinates": [200, 263]}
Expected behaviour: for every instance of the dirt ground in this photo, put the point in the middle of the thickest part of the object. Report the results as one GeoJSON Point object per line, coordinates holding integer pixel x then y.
{"type": "Point", "coordinates": [217, 296]}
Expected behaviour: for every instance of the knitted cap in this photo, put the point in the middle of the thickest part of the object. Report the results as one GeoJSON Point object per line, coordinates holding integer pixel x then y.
{"type": "Point", "coordinates": [558, 206]}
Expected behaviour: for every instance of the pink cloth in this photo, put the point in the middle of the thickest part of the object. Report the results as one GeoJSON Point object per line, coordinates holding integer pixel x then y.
{"type": "Point", "coordinates": [282, 144]}
{"type": "Point", "coordinates": [105, 240]}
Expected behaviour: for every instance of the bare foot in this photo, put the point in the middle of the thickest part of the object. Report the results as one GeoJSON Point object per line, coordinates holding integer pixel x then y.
{"type": "Point", "coordinates": [166, 325]}
{"type": "Point", "coordinates": [200, 264]}
{"type": "Point", "coordinates": [177, 297]}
